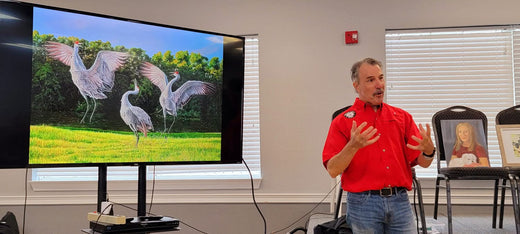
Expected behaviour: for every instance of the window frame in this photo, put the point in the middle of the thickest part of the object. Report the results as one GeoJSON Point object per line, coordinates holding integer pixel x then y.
{"type": "Point", "coordinates": [428, 52]}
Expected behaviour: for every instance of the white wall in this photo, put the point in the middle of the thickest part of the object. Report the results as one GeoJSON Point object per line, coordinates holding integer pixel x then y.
{"type": "Point", "coordinates": [304, 66]}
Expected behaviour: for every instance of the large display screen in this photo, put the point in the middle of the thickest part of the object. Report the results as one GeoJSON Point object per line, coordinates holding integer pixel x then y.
{"type": "Point", "coordinates": [82, 89]}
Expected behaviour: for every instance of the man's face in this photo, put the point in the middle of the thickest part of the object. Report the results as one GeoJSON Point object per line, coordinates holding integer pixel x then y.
{"type": "Point", "coordinates": [371, 84]}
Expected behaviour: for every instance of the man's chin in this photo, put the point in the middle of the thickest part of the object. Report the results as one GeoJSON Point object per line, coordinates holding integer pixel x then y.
{"type": "Point", "coordinates": [377, 100]}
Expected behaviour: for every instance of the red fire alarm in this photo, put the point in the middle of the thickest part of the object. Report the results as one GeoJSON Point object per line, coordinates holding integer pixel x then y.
{"type": "Point", "coordinates": [351, 37]}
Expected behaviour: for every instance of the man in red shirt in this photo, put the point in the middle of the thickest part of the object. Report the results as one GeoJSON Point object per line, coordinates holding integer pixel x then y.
{"type": "Point", "coordinates": [373, 146]}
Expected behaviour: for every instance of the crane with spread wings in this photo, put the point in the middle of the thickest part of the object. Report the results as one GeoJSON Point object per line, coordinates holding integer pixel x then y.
{"type": "Point", "coordinates": [172, 101]}
{"type": "Point", "coordinates": [93, 82]}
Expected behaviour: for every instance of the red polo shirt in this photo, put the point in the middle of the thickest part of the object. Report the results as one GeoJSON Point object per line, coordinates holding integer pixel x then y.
{"type": "Point", "coordinates": [383, 163]}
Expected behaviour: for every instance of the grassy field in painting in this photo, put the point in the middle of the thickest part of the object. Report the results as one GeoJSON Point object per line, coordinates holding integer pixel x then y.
{"type": "Point", "coordinates": [58, 145]}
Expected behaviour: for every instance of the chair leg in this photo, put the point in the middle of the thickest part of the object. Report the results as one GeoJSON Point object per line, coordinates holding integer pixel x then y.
{"type": "Point", "coordinates": [495, 203]}
{"type": "Point", "coordinates": [513, 180]}
{"type": "Point", "coordinates": [338, 203]}
{"type": "Point", "coordinates": [436, 205]}
{"type": "Point", "coordinates": [502, 203]}
{"type": "Point", "coordinates": [448, 204]}
{"type": "Point", "coordinates": [421, 205]}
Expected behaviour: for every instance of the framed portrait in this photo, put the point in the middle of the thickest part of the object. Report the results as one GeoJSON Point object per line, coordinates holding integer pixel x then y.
{"type": "Point", "coordinates": [464, 143]}
{"type": "Point", "coordinates": [509, 141]}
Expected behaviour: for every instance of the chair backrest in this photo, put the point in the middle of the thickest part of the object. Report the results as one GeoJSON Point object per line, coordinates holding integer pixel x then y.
{"type": "Point", "coordinates": [445, 124]}
{"type": "Point", "coordinates": [510, 115]}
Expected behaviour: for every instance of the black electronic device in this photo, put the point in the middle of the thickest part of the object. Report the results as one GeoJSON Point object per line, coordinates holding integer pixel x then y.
{"type": "Point", "coordinates": [52, 118]}
{"type": "Point", "coordinates": [142, 224]}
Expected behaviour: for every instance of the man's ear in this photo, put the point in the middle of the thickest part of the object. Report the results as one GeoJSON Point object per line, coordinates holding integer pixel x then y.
{"type": "Point", "coordinates": [355, 85]}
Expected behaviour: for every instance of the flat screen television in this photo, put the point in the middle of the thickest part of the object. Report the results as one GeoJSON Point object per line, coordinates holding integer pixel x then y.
{"type": "Point", "coordinates": [84, 89]}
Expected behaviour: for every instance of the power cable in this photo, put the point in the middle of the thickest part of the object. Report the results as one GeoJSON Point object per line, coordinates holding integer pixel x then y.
{"type": "Point", "coordinates": [254, 199]}
{"type": "Point", "coordinates": [310, 211]}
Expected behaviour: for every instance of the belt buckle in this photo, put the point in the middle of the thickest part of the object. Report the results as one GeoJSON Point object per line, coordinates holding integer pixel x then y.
{"type": "Point", "coordinates": [386, 192]}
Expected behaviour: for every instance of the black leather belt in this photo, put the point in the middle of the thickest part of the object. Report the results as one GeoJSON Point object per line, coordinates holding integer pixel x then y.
{"type": "Point", "coordinates": [386, 192]}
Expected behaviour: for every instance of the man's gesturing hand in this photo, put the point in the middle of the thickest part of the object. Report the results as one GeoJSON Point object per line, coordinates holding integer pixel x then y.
{"type": "Point", "coordinates": [425, 142]}
{"type": "Point", "coordinates": [360, 138]}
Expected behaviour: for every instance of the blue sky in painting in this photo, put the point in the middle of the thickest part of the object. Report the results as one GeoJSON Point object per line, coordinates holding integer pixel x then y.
{"type": "Point", "coordinates": [150, 38]}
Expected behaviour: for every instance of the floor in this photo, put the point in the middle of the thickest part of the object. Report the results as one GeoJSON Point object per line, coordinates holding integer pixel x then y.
{"type": "Point", "coordinates": [470, 219]}
{"type": "Point", "coordinates": [466, 219]}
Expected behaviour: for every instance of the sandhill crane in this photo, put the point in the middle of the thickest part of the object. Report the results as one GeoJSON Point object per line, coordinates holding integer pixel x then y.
{"type": "Point", "coordinates": [172, 101]}
{"type": "Point", "coordinates": [92, 82]}
{"type": "Point", "coordinates": [135, 117]}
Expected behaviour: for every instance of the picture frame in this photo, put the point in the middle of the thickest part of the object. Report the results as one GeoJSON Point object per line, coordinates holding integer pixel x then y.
{"type": "Point", "coordinates": [509, 142]}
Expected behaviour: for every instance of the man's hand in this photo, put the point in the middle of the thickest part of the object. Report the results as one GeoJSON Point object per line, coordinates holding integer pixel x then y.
{"type": "Point", "coordinates": [426, 143]}
{"type": "Point", "coordinates": [360, 139]}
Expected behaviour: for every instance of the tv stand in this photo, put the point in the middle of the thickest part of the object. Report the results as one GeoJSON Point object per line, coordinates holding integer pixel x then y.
{"type": "Point", "coordinates": [139, 224]}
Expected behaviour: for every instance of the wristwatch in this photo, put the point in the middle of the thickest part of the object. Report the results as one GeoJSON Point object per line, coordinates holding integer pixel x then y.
{"type": "Point", "coordinates": [429, 155]}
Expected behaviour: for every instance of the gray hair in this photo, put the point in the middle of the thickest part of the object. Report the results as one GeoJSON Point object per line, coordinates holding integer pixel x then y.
{"type": "Point", "coordinates": [355, 68]}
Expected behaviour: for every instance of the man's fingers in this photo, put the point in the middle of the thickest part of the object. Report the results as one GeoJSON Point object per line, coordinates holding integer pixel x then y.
{"type": "Point", "coordinates": [428, 129]}
{"type": "Point", "coordinates": [357, 130]}
{"type": "Point", "coordinates": [414, 147]}
{"type": "Point", "coordinates": [416, 139]}
{"type": "Point", "coordinates": [371, 141]}
{"type": "Point", "coordinates": [370, 132]}
{"type": "Point", "coordinates": [361, 126]}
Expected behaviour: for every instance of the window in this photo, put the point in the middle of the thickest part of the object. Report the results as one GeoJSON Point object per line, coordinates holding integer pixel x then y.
{"type": "Point", "coordinates": [431, 69]}
{"type": "Point", "coordinates": [251, 145]}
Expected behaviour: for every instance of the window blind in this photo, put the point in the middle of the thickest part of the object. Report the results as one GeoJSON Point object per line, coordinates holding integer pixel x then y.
{"type": "Point", "coordinates": [251, 144]}
{"type": "Point", "coordinates": [516, 64]}
{"type": "Point", "coordinates": [428, 70]}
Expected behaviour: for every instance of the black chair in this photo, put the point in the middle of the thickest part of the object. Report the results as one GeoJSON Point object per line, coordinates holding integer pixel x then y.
{"type": "Point", "coordinates": [506, 117]}
{"type": "Point", "coordinates": [445, 120]}
{"type": "Point", "coordinates": [416, 186]}
{"type": "Point", "coordinates": [340, 191]}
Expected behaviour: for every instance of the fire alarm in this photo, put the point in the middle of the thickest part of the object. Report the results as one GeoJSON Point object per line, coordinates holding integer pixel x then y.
{"type": "Point", "coordinates": [351, 37]}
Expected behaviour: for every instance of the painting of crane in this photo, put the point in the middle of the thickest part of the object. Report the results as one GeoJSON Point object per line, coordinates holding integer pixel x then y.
{"type": "Point", "coordinates": [133, 116]}
{"type": "Point", "coordinates": [173, 101]}
{"type": "Point", "coordinates": [99, 58]}
{"type": "Point", "coordinates": [93, 82]}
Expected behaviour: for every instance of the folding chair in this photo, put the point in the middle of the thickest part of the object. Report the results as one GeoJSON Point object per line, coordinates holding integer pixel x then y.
{"type": "Point", "coordinates": [510, 116]}
{"type": "Point", "coordinates": [444, 123]}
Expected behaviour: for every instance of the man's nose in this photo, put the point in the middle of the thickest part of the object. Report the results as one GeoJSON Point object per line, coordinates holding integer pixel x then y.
{"type": "Point", "coordinates": [380, 83]}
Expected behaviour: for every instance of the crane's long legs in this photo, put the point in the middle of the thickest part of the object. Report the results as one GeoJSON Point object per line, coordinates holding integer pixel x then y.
{"type": "Point", "coordinates": [136, 139]}
{"type": "Point", "coordinates": [170, 128]}
{"type": "Point", "coordinates": [88, 106]}
{"type": "Point", "coordinates": [164, 118]}
{"type": "Point", "coordinates": [94, 110]}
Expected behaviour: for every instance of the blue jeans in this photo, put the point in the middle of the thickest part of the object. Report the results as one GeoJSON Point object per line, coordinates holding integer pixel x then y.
{"type": "Point", "coordinates": [368, 213]}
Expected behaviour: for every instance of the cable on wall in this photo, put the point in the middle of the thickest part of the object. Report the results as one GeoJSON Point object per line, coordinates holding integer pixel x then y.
{"type": "Point", "coordinates": [254, 199]}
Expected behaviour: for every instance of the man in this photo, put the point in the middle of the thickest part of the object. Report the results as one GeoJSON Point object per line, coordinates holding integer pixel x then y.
{"type": "Point", "coordinates": [373, 146]}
